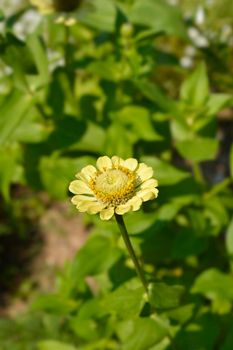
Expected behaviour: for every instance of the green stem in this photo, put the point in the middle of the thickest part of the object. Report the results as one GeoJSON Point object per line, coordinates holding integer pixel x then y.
{"type": "Point", "coordinates": [198, 173]}
{"type": "Point", "coordinates": [125, 235]}
{"type": "Point", "coordinates": [66, 46]}
{"type": "Point", "coordinates": [218, 188]}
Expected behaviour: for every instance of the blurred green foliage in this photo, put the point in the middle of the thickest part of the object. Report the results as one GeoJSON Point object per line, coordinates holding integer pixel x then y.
{"type": "Point", "coordinates": [114, 84]}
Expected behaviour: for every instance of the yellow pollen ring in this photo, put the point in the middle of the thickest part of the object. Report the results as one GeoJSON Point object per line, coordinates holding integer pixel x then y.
{"type": "Point", "coordinates": [114, 186]}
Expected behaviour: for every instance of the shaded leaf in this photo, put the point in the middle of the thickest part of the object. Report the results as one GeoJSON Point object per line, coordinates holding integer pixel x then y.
{"type": "Point", "coordinates": [56, 173]}
{"type": "Point", "coordinates": [165, 172]}
{"type": "Point", "coordinates": [137, 120]}
{"type": "Point", "coordinates": [96, 256]}
{"type": "Point", "coordinates": [229, 239]}
{"type": "Point", "coordinates": [164, 296]}
{"type": "Point", "coordinates": [231, 161]}
{"type": "Point", "coordinates": [156, 95]}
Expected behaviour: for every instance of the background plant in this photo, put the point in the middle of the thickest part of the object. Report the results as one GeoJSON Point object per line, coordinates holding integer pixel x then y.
{"type": "Point", "coordinates": [129, 78]}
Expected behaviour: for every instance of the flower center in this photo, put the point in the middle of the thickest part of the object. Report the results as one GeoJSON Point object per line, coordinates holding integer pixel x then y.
{"type": "Point", "coordinates": [114, 186]}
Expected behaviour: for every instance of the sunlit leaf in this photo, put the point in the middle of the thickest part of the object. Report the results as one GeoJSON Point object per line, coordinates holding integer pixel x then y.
{"type": "Point", "coordinates": [158, 15]}
{"type": "Point", "coordinates": [214, 284]}
{"type": "Point", "coordinates": [54, 345]}
{"type": "Point", "coordinates": [195, 89]}
{"type": "Point", "coordinates": [12, 112]}
{"type": "Point", "coordinates": [198, 149]}
{"type": "Point", "coordinates": [146, 332]}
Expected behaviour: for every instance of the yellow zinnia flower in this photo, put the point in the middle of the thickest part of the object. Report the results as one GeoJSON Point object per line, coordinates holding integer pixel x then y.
{"type": "Point", "coordinates": [113, 186]}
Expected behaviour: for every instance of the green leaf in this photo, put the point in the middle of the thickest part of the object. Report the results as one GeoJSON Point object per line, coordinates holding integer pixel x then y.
{"type": "Point", "coordinates": [158, 15]}
{"type": "Point", "coordinates": [216, 214]}
{"type": "Point", "coordinates": [169, 210]}
{"type": "Point", "coordinates": [93, 139]}
{"type": "Point", "coordinates": [68, 132]}
{"type": "Point", "coordinates": [163, 345]}
{"type": "Point", "coordinates": [162, 296]}
{"type": "Point", "coordinates": [107, 69]}
{"type": "Point", "coordinates": [231, 161]}
{"type": "Point", "coordinates": [85, 329]}
{"type": "Point", "coordinates": [31, 132]}
{"type": "Point", "coordinates": [9, 168]}
{"type": "Point", "coordinates": [164, 172]}
{"type": "Point", "coordinates": [187, 243]}
{"type": "Point", "coordinates": [96, 256]}
{"type": "Point", "coordinates": [101, 15]}
{"type": "Point", "coordinates": [125, 301]}
{"type": "Point", "coordinates": [15, 53]}
{"type": "Point", "coordinates": [2, 16]}
{"type": "Point", "coordinates": [118, 141]}
{"type": "Point", "coordinates": [155, 94]}
{"type": "Point", "coordinates": [39, 54]}
{"type": "Point", "coordinates": [199, 334]}
{"type": "Point", "coordinates": [228, 341]}
{"type": "Point", "coordinates": [56, 173]}
{"type": "Point", "coordinates": [12, 112]}
{"type": "Point", "coordinates": [213, 283]}
{"type": "Point", "coordinates": [229, 239]}
{"type": "Point", "coordinates": [198, 149]}
{"type": "Point", "coordinates": [182, 313]}
{"type": "Point", "coordinates": [146, 332]}
{"type": "Point", "coordinates": [54, 345]}
{"type": "Point", "coordinates": [217, 102]}
{"type": "Point", "coordinates": [137, 120]}
{"type": "Point", "coordinates": [54, 303]}
{"type": "Point", "coordinates": [195, 89]}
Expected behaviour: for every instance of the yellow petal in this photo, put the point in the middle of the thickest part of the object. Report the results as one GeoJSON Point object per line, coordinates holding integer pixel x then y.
{"type": "Point", "coordinates": [117, 161]}
{"type": "Point", "coordinates": [107, 213]}
{"type": "Point", "coordinates": [135, 203]}
{"type": "Point", "coordinates": [144, 172]}
{"type": "Point", "coordinates": [79, 187]}
{"type": "Point", "coordinates": [131, 163]}
{"type": "Point", "coordinates": [104, 163]}
{"type": "Point", "coordinates": [122, 209]}
{"type": "Point", "coordinates": [95, 208]}
{"type": "Point", "coordinates": [151, 183]}
{"type": "Point", "coordinates": [148, 194]}
{"type": "Point", "coordinates": [87, 173]}
{"type": "Point", "coordinates": [79, 198]}
{"type": "Point", "coordinates": [92, 207]}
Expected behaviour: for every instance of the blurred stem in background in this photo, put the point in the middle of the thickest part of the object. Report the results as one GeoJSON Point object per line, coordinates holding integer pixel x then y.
{"type": "Point", "coordinates": [198, 173]}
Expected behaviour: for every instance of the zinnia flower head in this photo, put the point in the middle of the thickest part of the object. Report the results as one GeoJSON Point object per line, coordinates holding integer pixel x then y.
{"type": "Point", "coordinates": [113, 186]}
